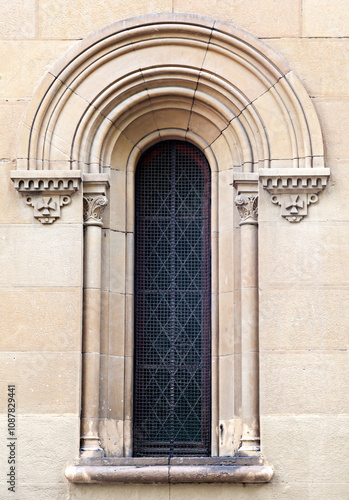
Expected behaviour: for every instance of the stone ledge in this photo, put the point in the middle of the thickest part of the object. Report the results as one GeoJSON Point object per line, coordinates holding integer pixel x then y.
{"type": "Point", "coordinates": [47, 191]}
{"type": "Point", "coordinates": [290, 180]}
{"type": "Point", "coordinates": [294, 188]}
{"type": "Point", "coordinates": [46, 181]}
{"type": "Point", "coordinates": [175, 470]}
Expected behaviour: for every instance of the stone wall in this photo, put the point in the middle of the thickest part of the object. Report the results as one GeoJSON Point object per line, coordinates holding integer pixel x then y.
{"type": "Point", "coordinates": [303, 280]}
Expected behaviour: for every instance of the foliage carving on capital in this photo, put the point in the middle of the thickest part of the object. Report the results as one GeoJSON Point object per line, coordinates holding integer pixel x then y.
{"type": "Point", "coordinates": [248, 208]}
{"type": "Point", "coordinates": [94, 206]}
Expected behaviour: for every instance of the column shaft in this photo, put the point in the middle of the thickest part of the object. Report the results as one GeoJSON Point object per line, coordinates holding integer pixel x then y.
{"type": "Point", "coordinates": [250, 440]}
{"type": "Point", "coordinates": [90, 442]}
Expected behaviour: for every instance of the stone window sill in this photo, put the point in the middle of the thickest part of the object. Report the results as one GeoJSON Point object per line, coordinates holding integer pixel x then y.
{"type": "Point", "coordinates": [174, 470]}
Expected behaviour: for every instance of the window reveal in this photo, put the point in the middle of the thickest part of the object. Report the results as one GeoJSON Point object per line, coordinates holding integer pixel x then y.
{"type": "Point", "coordinates": [172, 374]}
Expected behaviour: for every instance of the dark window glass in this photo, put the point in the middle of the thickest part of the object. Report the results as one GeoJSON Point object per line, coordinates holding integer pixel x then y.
{"type": "Point", "coordinates": [172, 303]}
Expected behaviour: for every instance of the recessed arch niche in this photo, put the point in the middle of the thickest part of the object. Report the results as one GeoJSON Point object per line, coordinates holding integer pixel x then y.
{"type": "Point", "coordinates": [125, 88]}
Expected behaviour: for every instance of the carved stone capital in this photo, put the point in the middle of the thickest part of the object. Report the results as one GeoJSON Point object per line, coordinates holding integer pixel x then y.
{"type": "Point", "coordinates": [294, 189]}
{"type": "Point", "coordinates": [47, 190]}
{"type": "Point", "coordinates": [248, 208]}
{"type": "Point", "coordinates": [94, 206]}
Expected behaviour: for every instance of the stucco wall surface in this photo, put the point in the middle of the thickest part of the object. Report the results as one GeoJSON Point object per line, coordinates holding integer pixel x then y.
{"type": "Point", "coordinates": [303, 268]}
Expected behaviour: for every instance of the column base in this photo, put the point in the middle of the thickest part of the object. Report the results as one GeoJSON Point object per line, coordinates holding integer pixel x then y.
{"type": "Point", "coordinates": [90, 447]}
{"type": "Point", "coordinates": [249, 447]}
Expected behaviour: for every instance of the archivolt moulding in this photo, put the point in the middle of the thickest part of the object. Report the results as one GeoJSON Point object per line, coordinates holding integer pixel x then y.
{"type": "Point", "coordinates": [142, 77]}
{"type": "Point", "coordinates": [149, 74]}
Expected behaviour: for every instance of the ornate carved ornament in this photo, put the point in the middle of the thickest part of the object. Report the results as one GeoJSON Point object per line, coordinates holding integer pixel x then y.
{"type": "Point", "coordinates": [248, 208]}
{"type": "Point", "coordinates": [47, 190]}
{"type": "Point", "coordinates": [294, 189]}
{"type": "Point", "coordinates": [94, 206]}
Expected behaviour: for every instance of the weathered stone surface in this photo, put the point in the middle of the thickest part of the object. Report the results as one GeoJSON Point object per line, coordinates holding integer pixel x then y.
{"type": "Point", "coordinates": [63, 19]}
{"type": "Point", "coordinates": [116, 324]}
{"type": "Point", "coordinates": [28, 321]}
{"type": "Point", "coordinates": [10, 114]}
{"type": "Point", "coordinates": [226, 258]}
{"type": "Point", "coordinates": [12, 207]}
{"type": "Point", "coordinates": [116, 387]}
{"type": "Point", "coordinates": [226, 323]}
{"type": "Point", "coordinates": [51, 439]}
{"type": "Point", "coordinates": [26, 260]}
{"type": "Point", "coordinates": [117, 255]}
{"type": "Point", "coordinates": [17, 60]}
{"type": "Point", "coordinates": [117, 195]}
{"type": "Point", "coordinates": [127, 491]}
{"type": "Point", "coordinates": [311, 452]}
{"type": "Point", "coordinates": [334, 119]}
{"type": "Point", "coordinates": [18, 19]}
{"type": "Point", "coordinates": [283, 257]}
{"type": "Point", "coordinates": [303, 317]}
{"type": "Point", "coordinates": [37, 492]}
{"type": "Point", "coordinates": [263, 19]}
{"type": "Point", "coordinates": [240, 492]}
{"type": "Point", "coordinates": [304, 56]}
{"type": "Point", "coordinates": [169, 474]}
{"type": "Point", "coordinates": [226, 387]}
{"type": "Point", "coordinates": [40, 389]}
{"type": "Point", "coordinates": [321, 18]}
{"type": "Point", "coordinates": [322, 375]}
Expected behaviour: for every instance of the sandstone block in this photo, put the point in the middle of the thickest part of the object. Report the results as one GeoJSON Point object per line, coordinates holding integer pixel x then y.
{"type": "Point", "coordinates": [226, 261]}
{"type": "Point", "coordinates": [38, 319]}
{"type": "Point", "coordinates": [122, 491]}
{"type": "Point", "coordinates": [38, 255]}
{"type": "Point", "coordinates": [47, 382]}
{"type": "Point", "coordinates": [304, 449]}
{"type": "Point", "coordinates": [116, 387]}
{"type": "Point", "coordinates": [116, 324]}
{"type": "Point", "coordinates": [334, 120]}
{"type": "Point", "coordinates": [19, 76]}
{"type": "Point", "coordinates": [226, 387]}
{"type": "Point", "coordinates": [283, 257]}
{"type": "Point", "coordinates": [322, 18]}
{"type": "Point", "coordinates": [304, 55]}
{"type": "Point", "coordinates": [11, 113]}
{"type": "Point", "coordinates": [303, 318]}
{"type": "Point", "coordinates": [117, 204]}
{"type": "Point", "coordinates": [304, 382]}
{"type": "Point", "coordinates": [226, 201]}
{"type": "Point", "coordinates": [262, 19]}
{"type": "Point", "coordinates": [117, 267]}
{"type": "Point", "coordinates": [52, 440]}
{"type": "Point", "coordinates": [18, 19]}
{"type": "Point", "coordinates": [63, 19]}
{"type": "Point", "coordinates": [226, 323]}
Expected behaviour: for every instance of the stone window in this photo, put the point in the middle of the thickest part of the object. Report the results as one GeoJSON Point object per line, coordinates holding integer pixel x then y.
{"type": "Point", "coordinates": [172, 364]}
{"type": "Point", "coordinates": [116, 94]}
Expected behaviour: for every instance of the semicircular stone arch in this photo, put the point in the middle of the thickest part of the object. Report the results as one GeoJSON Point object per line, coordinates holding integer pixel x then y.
{"type": "Point", "coordinates": [144, 77]}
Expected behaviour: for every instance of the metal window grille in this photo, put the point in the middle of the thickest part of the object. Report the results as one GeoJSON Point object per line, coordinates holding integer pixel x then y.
{"type": "Point", "coordinates": [172, 369]}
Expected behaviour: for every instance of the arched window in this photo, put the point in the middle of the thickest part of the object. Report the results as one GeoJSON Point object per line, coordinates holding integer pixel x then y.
{"type": "Point", "coordinates": [172, 370]}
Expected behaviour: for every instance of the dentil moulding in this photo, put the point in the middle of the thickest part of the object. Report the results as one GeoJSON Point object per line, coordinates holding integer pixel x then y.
{"type": "Point", "coordinates": [294, 188]}
{"type": "Point", "coordinates": [46, 190]}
